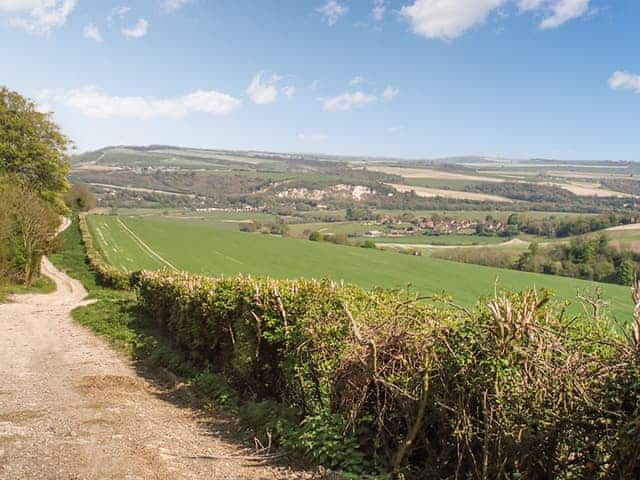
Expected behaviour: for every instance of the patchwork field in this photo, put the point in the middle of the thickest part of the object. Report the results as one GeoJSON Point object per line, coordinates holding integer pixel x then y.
{"type": "Point", "coordinates": [435, 192]}
{"type": "Point", "coordinates": [136, 243]}
{"type": "Point", "coordinates": [432, 174]}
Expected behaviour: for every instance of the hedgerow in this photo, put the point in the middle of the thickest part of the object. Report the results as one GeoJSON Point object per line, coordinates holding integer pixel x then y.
{"type": "Point", "coordinates": [381, 382]}
{"type": "Point", "coordinates": [107, 275]}
{"type": "Point", "coordinates": [514, 389]}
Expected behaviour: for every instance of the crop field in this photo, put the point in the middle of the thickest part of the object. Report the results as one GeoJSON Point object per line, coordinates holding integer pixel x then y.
{"type": "Point", "coordinates": [141, 243]}
{"type": "Point", "coordinates": [441, 183]}
{"type": "Point", "coordinates": [451, 239]}
{"type": "Point", "coordinates": [434, 192]}
{"type": "Point", "coordinates": [433, 174]}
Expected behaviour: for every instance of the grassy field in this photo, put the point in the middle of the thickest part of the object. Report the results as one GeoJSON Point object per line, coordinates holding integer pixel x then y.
{"type": "Point", "coordinates": [453, 239]}
{"type": "Point", "coordinates": [347, 228]}
{"type": "Point", "coordinates": [480, 214]}
{"type": "Point", "coordinates": [452, 184]}
{"type": "Point", "coordinates": [134, 243]}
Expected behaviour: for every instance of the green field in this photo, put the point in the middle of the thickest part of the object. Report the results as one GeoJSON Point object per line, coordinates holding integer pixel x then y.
{"type": "Point", "coordinates": [137, 243]}
{"type": "Point", "coordinates": [452, 239]}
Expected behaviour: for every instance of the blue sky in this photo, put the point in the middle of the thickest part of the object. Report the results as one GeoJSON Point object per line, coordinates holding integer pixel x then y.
{"type": "Point", "coordinates": [407, 78]}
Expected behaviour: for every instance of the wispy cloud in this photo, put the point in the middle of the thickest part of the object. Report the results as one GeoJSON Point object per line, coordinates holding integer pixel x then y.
{"type": "Point", "coordinates": [263, 92]}
{"type": "Point", "coordinates": [621, 80]}
{"type": "Point", "coordinates": [379, 10]}
{"type": "Point", "coordinates": [332, 11]}
{"type": "Point", "coordinates": [358, 80]}
{"type": "Point", "coordinates": [139, 30]}
{"type": "Point", "coordinates": [289, 90]}
{"type": "Point", "coordinates": [92, 102]}
{"type": "Point", "coordinates": [558, 12]}
{"type": "Point", "coordinates": [92, 32]}
{"type": "Point", "coordinates": [170, 6]}
{"type": "Point", "coordinates": [38, 17]}
{"type": "Point", "coordinates": [118, 12]}
{"type": "Point", "coordinates": [390, 93]}
{"type": "Point", "coordinates": [347, 101]}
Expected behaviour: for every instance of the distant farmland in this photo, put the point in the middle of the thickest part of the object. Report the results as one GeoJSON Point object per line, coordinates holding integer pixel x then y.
{"type": "Point", "coordinates": [135, 243]}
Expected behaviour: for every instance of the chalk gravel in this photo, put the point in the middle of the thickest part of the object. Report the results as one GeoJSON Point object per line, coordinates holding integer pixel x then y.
{"type": "Point", "coordinates": [71, 408]}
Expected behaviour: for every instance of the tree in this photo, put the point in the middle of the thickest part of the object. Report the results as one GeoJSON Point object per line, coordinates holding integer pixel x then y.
{"type": "Point", "coordinates": [624, 272]}
{"type": "Point", "coordinates": [315, 236]}
{"type": "Point", "coordinates": [80, 198]}
{"type": "Point", "coordinates": [33, 150]}
{"type": "Point", "coordinates": [29, 228]}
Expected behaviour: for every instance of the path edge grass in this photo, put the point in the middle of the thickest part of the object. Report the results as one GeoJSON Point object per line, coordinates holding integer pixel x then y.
{"type": "Point", "coordinates": [42, 285]}
{"type": "Point", "coordinates": [117, 318]}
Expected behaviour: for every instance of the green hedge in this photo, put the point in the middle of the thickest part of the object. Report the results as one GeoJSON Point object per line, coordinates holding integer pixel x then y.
{"type": "Point", "coordinates": [107, 275]}
{"type": "Point", "coordinates": [512, 390]}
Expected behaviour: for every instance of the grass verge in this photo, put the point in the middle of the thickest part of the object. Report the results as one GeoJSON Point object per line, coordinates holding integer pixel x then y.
{"type": "Point", "coordinates": [42, 285]}
{"type": "Point", "coordinates": [116, 317]}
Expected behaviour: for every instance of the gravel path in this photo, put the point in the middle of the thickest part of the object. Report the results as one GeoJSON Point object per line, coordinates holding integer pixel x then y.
{"type": "Point", "coordinates": [73, 409]}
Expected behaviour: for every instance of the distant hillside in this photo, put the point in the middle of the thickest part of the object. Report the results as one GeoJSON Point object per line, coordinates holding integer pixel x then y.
{"type": "Point", "coordinates": [126, 155]}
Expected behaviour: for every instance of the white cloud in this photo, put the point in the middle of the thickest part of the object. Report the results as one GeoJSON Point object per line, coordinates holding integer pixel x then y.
{"type": "Point", "coordinates": [313, 86]}
{"type": "Point", "coordinates": [332, 11]}
{"type": "Point", "coordinates": [625, 81]}
{"type": "Point", "coordinates": [447, 19]}
{"type": "Point", "coordinates": [139, 30]}
{"type": "Point", "coordinates": [346, 101]}
{"type": "Point", "coordinates": [92, 32]}
{"type": "Point", "coordinates": [289, 90]}
{"type": "Point", "coordinates": [565, 10]}
{"type": "Point", "coordinates": [395, 129]}
{"type": "Point", "coordinates": [379, 10]}
{"type": "Point", "coordinates": [118, 12]}
{"type": "Point", "coordinates": [390, 93]}
{"type": "Point", "coordinates": [14, 6]}
{"type": "Point", "coordinates": [559, 11]}
{"type": "Point", "coordinates": [94, 103]}
{"type": "Point", "coordinates": [38, 17]}
{"type": "Point", "coordinates": [529, 5]}
{"type": "Point", "coordinates": [357, 81]}
{"type": "Point", "coordinates": [263, 93]}
{"type": "Point", "coordinates": [173, 5]}
{"type": "Point", "coordinates": [314, 138]}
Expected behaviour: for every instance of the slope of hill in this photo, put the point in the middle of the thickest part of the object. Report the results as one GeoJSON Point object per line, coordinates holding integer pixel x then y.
{"type": "Point", "coordinates": [135, 243]}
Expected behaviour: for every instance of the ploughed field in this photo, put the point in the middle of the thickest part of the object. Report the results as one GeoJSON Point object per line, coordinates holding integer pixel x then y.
{"type": "Point", "coordinates": [131, 243]}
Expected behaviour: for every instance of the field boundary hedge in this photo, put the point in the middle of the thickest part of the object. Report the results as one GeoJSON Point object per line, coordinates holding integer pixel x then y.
{"type": "Point", "coordinates": [106, 274]}
{"type": "Point", "coordinates": [380, 382]}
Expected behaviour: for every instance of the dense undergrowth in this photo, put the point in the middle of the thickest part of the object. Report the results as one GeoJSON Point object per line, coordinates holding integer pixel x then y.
{"type": "Point", "coordinates": [380, 382]}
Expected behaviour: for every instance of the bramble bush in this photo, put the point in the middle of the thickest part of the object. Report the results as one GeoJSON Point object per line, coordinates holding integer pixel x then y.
{"type": "Point", "coordinates": [384, 382]}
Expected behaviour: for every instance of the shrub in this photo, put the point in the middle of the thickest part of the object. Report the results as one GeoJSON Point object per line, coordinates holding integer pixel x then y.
{"type": "Point", "coordinates": [315, 236]}
{"type": "Point", "coordinates": [511, 390]}
{"type": "Point", "coordinates": [106, 274]}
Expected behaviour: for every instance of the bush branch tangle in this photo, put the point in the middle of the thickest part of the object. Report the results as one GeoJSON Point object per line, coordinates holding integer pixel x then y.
{"type": "Point", "coordinates": [511, 390]}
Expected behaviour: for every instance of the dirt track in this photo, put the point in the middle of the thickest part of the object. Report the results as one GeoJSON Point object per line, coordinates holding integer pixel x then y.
{"type": "Point", "coordinates": [71, 408]}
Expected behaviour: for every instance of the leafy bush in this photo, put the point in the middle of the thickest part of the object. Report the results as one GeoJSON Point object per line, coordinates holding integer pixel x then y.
{"type": "Point", "coordinates": [513, 389]}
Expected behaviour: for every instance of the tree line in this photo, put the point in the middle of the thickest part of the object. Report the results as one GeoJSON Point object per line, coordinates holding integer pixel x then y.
{"type": "Point", "coordinates": [586, 258]}
{"type": "Point", "coordinates": [34, 191]}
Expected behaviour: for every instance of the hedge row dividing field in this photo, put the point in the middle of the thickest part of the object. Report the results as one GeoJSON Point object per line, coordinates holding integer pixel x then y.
{"type": "Point", "coordinates": [203, 250]}
{"type": "Point", "coordinates": [378, 382]}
